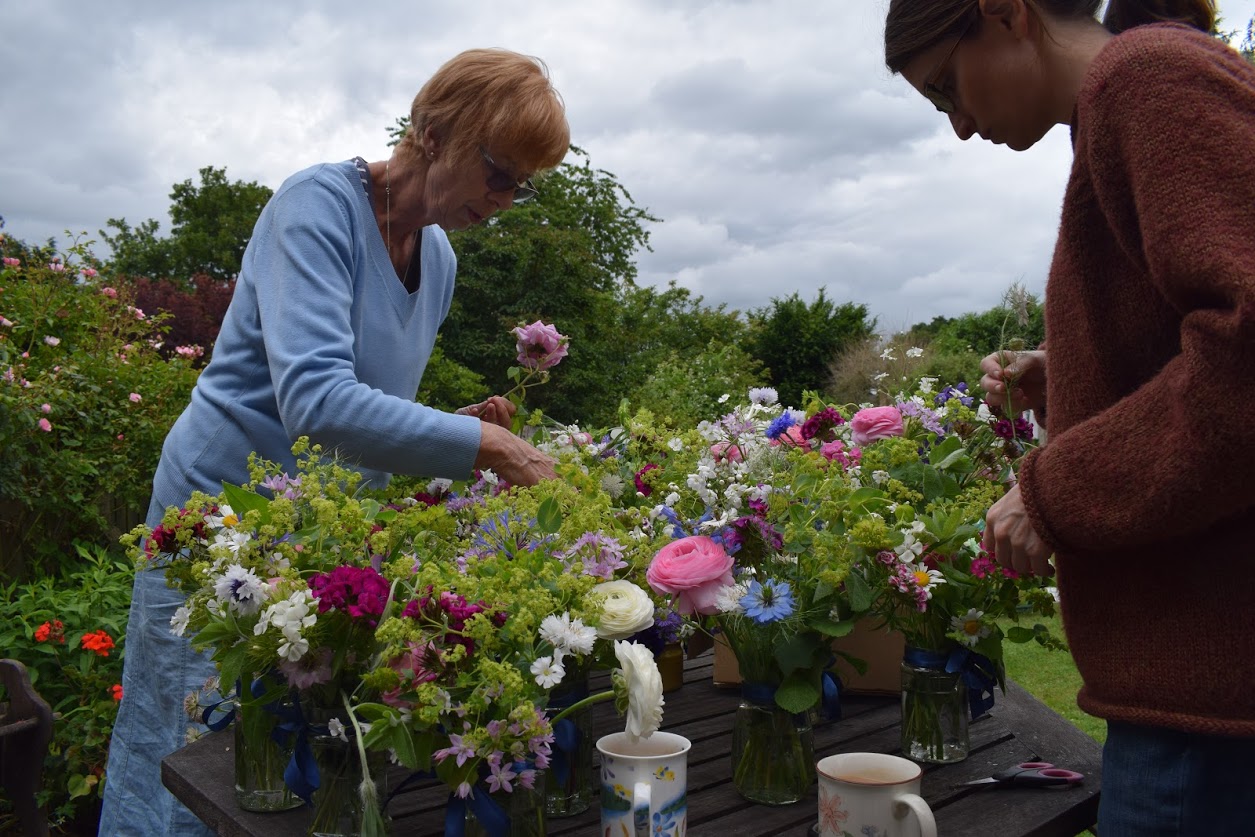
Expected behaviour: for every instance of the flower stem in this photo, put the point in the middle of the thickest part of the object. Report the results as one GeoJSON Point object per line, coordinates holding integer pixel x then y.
{"type": "Point", "coordinates": [600, 697]}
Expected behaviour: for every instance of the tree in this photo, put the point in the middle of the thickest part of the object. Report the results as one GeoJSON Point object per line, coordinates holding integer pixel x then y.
{"type": "Point", "coordinates": [211, 226]}
{"type": "Point", "coordinates": [798, 343]}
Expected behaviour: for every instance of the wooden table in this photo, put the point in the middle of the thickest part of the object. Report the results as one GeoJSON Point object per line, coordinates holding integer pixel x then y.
{"type": "Point", "coordinates": [1020, 728]}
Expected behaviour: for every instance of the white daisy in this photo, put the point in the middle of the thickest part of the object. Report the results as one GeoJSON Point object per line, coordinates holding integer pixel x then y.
{"type": "Point", "coordinates": [969, 626]}
{"type": "Point", "coordinates": [547, 672]}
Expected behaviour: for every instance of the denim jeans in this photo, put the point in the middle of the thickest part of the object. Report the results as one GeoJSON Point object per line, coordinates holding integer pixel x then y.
{"type": "Point", "coordinates": [160, 670]}
{"type": "Point", "coordinates": [1164, 783]}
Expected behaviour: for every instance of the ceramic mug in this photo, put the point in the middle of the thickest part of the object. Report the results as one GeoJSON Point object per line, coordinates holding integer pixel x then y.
{"type": "Point", "coordinates": [872, 794]}
{"type": "Point", "coordinates": [644, 785]}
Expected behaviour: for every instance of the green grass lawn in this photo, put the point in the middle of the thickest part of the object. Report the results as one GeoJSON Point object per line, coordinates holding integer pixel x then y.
{"type": "Point", "coordinates": [1051, 677]}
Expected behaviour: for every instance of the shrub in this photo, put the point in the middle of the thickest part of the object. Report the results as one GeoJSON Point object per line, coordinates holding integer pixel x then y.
{"type": "Point", "coordinates": [195, 310]}
{"type": "Point", "coordinates": [686, 388]}
{"type": "Point", "coordinates": [85, 403]}
{"type": "Point", "coordinates": [68, 630]}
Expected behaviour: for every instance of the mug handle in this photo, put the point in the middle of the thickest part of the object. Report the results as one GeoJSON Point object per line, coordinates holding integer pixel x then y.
{"type": "Point", "coordinates": [641, 802]}
{"type": "Point", "coordinates": [924, 814]}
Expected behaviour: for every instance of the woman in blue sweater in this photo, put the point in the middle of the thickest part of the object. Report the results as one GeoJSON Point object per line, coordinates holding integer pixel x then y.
{"type": "Point", "coordinates": [344, 284]}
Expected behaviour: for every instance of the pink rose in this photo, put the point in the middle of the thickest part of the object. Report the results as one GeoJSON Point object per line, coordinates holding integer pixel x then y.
{"type": "Point", "coordinates": [726, 452]}
{"type": "Point", "coordinates": [696, 569]}
{"type": "Point", "coordinates": [791, 438]}
{"type": "Point", "coordinates": [837, 451]}
{"type": "Point", "coordinates": [875, 423]}
{"type": "Point", "coordinates": [540, 346]}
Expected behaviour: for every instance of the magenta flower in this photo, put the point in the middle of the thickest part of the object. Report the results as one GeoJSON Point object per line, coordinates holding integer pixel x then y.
{"type": "Point", "coordinates": [361, 592]}
{"type": "Point", "coordinates": [45, 425]}
{"type": "Point", "coordinates": [540, 346]}
{"type": "Point", "coordinates": [641, 486]}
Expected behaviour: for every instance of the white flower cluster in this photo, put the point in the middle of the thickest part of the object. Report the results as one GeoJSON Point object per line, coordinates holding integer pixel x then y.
{"type": "Point", "coordinates": [290, 616]}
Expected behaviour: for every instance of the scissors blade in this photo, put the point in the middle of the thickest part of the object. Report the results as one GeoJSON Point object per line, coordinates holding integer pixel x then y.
{"type": "Point", "coordinates": [989, 781]}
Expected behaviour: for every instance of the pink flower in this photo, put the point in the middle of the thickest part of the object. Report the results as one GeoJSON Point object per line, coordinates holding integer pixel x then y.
{"type": "Point", "coordinates": [89, 272]}
{"type": "Point", "coordinates": [875, 423]}
{"type": "Point", "coordinates": [6, 322]}
{"type": "Point", "coordinates": [120, 437]}
{"type": "Point", "coordinates": [135, 397]}
{"type": "Point", "coordinates": [45, 408]}
{"type": "Point", "coordinates": [791, 438]}
{"type": "Point", "coordinates": [109, 292]}
{"type": "Point", "coordinates": [189, 351]}
{"type": "Point", "coordinates": [540, 346]}
{"type": "Point", "coordinates": [726, 452]}
{"type": "Point", "coordinates": [696, 568]}
{"type": "Point", "coordinates": [838, 452]}
{"type": "Point", "coordinates": [57, 267]}
{"type": "Point", "coordinates": [45, 425]}
{"type": "Point", "coordinates": [12, 262]}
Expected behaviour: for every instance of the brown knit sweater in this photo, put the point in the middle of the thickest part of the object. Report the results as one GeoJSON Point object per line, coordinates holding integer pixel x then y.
{"type": "Point", "coordinates": [1146, 490]}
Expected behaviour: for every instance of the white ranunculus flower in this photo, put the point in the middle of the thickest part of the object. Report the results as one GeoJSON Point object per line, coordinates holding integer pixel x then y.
{"type": "Point", "coordinates": [625, 609]}
{"type": "Point", "coordinates": [644, 689]}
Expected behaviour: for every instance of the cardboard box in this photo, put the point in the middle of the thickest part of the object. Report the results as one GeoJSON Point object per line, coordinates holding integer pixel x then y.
{"type": "Point", "coordinates": [881, 649]}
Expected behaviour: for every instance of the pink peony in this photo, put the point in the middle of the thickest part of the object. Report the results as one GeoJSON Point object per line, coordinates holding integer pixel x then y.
{"type": "Point", "coordinates": [696, 569]}
{"type": "Point", "coordinates": [875, 423]}
{"type": "Point", "coordinates": [540, 346]}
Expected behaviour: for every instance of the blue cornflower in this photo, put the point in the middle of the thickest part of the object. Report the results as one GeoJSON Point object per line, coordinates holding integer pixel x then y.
{"type": "Point", "coordinates": [770, 601]}
{"type": "Point", "coordinates": [781, 425]}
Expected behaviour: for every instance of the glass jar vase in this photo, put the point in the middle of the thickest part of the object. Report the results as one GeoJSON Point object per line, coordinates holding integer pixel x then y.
{"type": "Point", "coordinates": [569, 779]}
{"type": "Point", "coordinates": [934, 712]}
{"type": "Point", "coordinates": [773, 753]}
{"type": "Point", "coordinates": [260, 761]}
{"type": "Point", "coordinates": [671, 667]}
{"type": "Point", "coordinates": [523, 807]}
{"type": "Point", "coordinates": [337, 802]}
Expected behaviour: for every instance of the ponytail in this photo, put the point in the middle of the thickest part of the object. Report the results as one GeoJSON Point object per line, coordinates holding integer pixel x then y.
{"type": "Point", "coordinates": [912, 26]}
{"type": "Point", "coordinates": [1125, 14]}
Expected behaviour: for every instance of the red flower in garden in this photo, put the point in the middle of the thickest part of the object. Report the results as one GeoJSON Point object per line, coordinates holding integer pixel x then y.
{"type": "Point", "coordinates": [116, 690]}
{"type": "Point", "coordinates": [53, 630]}
{"type": "Point", "coordinates": [98, 641]}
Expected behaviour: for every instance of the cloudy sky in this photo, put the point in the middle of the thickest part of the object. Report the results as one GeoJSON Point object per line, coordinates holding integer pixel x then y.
{"type": "Point", "coordinates": [779, 153]}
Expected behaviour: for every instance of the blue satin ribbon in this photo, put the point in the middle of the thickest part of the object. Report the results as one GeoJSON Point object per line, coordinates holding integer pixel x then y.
{"type": "Point", "coordinates": [978, 673]}
{"type": "Point", "coordinates": [301, 775]}
{"type": "Point", "coordinates": [830, 701]}
{"type": "Point", "coordinates": [490, 815]}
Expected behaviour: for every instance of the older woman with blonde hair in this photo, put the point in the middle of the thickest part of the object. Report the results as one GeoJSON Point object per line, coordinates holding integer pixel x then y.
{"type": "Point", "coordinates": [345, 282]}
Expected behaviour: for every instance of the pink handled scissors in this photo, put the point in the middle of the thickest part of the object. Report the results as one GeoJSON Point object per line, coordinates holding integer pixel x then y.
{"type": "Point", "coordinates": [1038, 774]}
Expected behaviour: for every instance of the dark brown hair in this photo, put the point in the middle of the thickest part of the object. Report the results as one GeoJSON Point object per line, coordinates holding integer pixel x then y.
{"type": "Point", "coordinates": [912, 26]}
{"type": "Point", "coordinates": [496, 98]}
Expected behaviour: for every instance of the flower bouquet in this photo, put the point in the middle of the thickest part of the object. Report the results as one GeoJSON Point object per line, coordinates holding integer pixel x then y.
{"type": "Point", "coordinates": [930, 467]}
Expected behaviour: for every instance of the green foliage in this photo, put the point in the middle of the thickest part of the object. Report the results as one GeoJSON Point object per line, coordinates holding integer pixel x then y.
{"type": "Point", "coordinates": [562, 258]}
{"type": "Point", "coordinates": [797, 342]}
{"type": "Point", "coordinates": [448, 385]}
{"type": "Point", "coordinates": [987, 331]}
{"type": "Point", "coordinates": [78, 683]}
{"type": "Point", "coordinates": [211, 226]}
{"type": "Point", "coordinates": [85, 403]}
{"type": "Point", "coordinates": [687, 388]}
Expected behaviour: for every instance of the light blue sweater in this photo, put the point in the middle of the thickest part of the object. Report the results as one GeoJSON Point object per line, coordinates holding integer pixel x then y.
{"type": "Point", "coordinates": [321, 340]}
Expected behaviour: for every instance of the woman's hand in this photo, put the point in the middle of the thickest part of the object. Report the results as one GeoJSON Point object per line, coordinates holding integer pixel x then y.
{"type": "Point", "coordinates": [1010, 536]}
{"type": "Point", "coordinates": [496, 410]}
{"type": "Point", "coordinates": [1023, 372]}
{"type": "Point", "coordinates": [511, 458]}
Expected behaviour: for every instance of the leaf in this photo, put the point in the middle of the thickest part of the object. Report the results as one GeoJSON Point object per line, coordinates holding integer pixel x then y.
{"type": "Point", "coordinates": [828, 627]}
{"type": "Point", "coordinates": [81, 785]}
{"type": "Point", "coordinates": [242, 501]}
{"type": "Point", "coordinates": [860, 593]}
{"type": "Point", "coordinates": [403, 744]}
{"type": "Point", "coordinates": [1019, 633]}
{"type": "Point", "coordinates": [795, 652]}
{"type": "Point", "coordinates": [797, 693]}
{"type": "Point", "coordinates": [857, 663]}
{"type": "Point", "coordinates": [549, 516]}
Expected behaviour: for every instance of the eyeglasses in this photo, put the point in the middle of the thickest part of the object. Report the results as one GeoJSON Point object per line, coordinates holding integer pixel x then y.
{"type": "Point", "coordinates": [940, 99]}
{"type": "Point", "coordinates": [500, 180]}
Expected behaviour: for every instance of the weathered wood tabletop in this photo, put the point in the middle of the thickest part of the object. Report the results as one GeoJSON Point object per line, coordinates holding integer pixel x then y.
{"type": "Point", "coordinates": [1020, 728]}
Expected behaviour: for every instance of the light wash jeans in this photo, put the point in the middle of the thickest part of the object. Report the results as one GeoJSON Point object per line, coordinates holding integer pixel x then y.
{"type": "Point", "coordinates": [160, 670]}
{"type": "Point", "coordinates": [1164, 783]}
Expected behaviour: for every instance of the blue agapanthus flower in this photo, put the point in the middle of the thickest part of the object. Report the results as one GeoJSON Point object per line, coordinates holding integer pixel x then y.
{"type": "Point", "coordinates": [769, 601]}
{"type": "Point", "coordinates": [781, 425]}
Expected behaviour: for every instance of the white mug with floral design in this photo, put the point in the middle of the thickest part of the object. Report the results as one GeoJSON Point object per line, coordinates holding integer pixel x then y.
{"type": "Point", "coordinates": [872, 794]}
{"type": "Point", "coordinates": [644, 785]}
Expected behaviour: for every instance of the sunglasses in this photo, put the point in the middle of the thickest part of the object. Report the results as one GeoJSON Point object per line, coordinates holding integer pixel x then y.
{"type": "Point", "coordinates": [500, 180]}
{"type": "Point", "coordinates": [940, 99]}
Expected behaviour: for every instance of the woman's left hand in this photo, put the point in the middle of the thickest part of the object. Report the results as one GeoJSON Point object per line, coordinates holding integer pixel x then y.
{"type": "Point", "coordinates": [1010, 536]}
{"type": "Point", "coordinates": [496, 410]}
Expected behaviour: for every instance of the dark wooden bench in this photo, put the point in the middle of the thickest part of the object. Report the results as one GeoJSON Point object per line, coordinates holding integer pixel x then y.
{"type": "Point", "coordinates": [25, 732]}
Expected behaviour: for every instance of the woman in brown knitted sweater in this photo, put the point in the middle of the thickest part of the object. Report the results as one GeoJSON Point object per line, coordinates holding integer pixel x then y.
{"type": "Point", "coordinates": [1145, 494]}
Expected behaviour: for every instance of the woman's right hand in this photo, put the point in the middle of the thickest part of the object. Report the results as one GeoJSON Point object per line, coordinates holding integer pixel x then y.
{"type": "Point", "coordinates": [1023, 372]}
{"type": "Point", "coordinates": [511, 458]}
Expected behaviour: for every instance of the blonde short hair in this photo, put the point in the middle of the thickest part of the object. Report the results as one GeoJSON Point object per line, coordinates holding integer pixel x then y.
{"type": "Point", "coordinates": [496, 99]}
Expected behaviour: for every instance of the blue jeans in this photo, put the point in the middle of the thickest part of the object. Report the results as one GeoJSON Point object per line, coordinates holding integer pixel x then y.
{"type": "Point", "coordinates": [1164, 783]}
{"type": "Point", "coordinates": [160, 670]}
